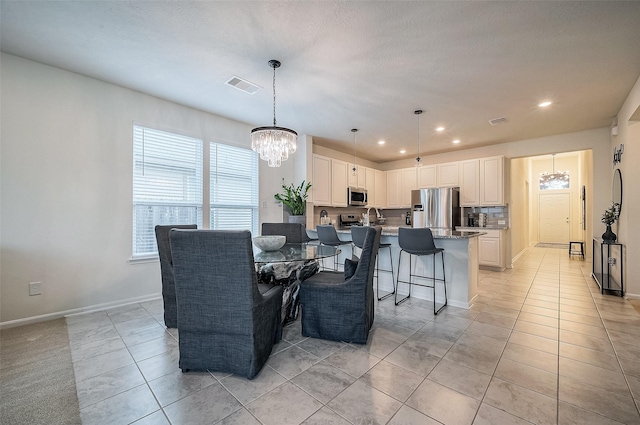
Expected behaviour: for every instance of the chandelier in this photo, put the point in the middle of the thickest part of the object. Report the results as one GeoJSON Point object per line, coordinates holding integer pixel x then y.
{"type": "Point", "coordinates": [418, 159]}
{"type": "Point", "coordinates": [274, 144]}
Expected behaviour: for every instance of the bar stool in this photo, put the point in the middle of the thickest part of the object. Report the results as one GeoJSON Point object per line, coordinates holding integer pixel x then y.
{"type": "Point", "coordinates": [419, 242]}
{"type": "Point", "coordinates": [358, 234]}
{"type": "Point", "coordinates": [576, 252]}
{"type": "Point", "coordinates": [328, 236]}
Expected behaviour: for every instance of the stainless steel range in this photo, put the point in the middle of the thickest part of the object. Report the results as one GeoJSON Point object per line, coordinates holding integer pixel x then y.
{"type": "Point", "coordinates": [348, 220]}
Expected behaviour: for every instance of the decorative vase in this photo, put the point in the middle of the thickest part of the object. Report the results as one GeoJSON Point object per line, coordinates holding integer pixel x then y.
{"type": "Point", "coordinates": [298, 219]}
{"type": "Point", "coordinates": [609, 236]}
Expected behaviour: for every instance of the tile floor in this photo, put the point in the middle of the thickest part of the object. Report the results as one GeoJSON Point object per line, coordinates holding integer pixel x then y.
{"type": "Point", "coordinates": [540, 346]}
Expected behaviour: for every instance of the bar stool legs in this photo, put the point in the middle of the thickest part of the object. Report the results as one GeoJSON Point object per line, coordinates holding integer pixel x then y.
{"type": "Point", "coordinates": [433, 278]}
{"type": "Point", "coordinates": [380, 298]}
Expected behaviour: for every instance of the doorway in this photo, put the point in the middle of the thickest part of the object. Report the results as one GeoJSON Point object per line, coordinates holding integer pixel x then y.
{"type": "Point", "coordinates": [554, 218]}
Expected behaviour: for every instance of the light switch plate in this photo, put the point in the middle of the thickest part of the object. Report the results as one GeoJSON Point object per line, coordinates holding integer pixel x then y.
{"type": "Point", "coordinates": [502, 222]}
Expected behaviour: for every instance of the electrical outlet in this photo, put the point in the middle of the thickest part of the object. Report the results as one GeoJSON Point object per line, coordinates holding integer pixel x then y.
{"type": "Point", "coordinates": [612, 261]}
{"type": "Point", "coordinates": [502, 222]}
{"type": "Point", "coordinates": [35, 288]}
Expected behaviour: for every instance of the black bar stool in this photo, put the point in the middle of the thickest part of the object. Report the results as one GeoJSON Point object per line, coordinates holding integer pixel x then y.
{"type": "Point", "coordinates": [328, 236]}
{"type": "Point", "coordinates": [419, 242]}
{"type": "Point", "coordinates": [358, 234]}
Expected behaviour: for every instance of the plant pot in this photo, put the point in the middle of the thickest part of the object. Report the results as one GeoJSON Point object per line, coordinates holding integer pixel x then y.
{"type": "Point", "coordinates": [298, 219]}
{"type": "Point", "coordinates": [608, 235]}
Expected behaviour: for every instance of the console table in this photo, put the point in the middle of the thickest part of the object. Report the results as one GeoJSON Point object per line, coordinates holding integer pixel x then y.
{"type": "Point", "coordinates": [610, 254]}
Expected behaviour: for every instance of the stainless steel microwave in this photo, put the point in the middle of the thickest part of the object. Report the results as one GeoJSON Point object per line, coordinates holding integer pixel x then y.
{"type": "Point", "coordinates": [357, 196]}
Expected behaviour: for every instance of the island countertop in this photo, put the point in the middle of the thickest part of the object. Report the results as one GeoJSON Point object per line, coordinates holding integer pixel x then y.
{"type": "Point", "coordinates": [437, 233]}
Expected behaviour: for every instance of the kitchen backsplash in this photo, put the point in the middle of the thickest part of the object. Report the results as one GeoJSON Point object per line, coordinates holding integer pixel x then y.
{"type": "Point", "coordinates": [393, 217]}
{"type": "Point", "coordinates": [496, 216]}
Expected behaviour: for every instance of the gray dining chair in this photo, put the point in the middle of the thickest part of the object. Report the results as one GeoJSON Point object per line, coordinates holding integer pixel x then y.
{"type": "Point", "coordinates": [339, 306]}
{"type": "Point", "coordinates": [358, 234]}
{"type": "Point", "coordinates": [225, 323]}
{"type": "Point", "coordinates": [419, 242]}
{"type": "Point", "coordinates": [166, 271]}
{"type": "Point", "coordinates": [327, 235]}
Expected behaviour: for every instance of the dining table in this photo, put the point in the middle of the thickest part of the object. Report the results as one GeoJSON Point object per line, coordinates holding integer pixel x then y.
{"type": "Point", "coordinates": [289, 266]}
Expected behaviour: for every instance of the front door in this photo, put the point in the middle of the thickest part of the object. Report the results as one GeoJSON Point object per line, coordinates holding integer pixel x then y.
{"type": "Point", "coordinates": [554, 212]}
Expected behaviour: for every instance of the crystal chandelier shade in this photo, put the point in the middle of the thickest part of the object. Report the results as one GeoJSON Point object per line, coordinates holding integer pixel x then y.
{"type": "Point", "coordinates": [274, 144]}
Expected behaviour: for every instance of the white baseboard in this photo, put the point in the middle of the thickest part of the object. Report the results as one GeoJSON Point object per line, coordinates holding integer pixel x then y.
{"type": "Point", "coordinates": [518, 255]}
{"type": "Point", "coordinates": [75, 311]}
{"type": "Point", "coordinates": [632, 296]}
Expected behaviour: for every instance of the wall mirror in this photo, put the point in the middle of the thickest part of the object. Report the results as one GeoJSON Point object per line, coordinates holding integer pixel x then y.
{"type": "Point", "coordinates": [616, 189]}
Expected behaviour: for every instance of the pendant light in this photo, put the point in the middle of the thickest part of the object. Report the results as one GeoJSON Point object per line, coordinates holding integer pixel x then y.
{"type": "Point", "coordinates": [354, 170]}
{"type": "Point", "coordinates": [418, 159]}
{"type": "Point", "coordinates": [274, 144]}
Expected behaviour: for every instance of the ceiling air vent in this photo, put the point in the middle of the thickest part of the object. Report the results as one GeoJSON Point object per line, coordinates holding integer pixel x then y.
{"type": "Point", "coordinates": [497, 121]}
{"type": "Point", "coordinates": [244, 85]}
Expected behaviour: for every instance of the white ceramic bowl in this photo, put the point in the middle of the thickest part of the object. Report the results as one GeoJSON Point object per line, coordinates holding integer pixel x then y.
{"type": "Point", "coordinates": [270, 243]}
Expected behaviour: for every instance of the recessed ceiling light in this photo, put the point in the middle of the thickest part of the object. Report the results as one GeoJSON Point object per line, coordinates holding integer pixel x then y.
{"type": "Point", "coordinates": [455, 142]}
{"type": "Point", "coordinates": [439, 128]}
{"type": "Point", "coordinates": [403, 151]}
{"type": "Point", "coordinates": [381, 142]}
{"type": "Point", "coordinates": [544, 104]}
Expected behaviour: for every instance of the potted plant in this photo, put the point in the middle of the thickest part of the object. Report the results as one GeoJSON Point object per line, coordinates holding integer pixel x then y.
{"type": "Point", "coordinates": [609, 217]}
{"type": "Point", "coordinates": [295, 199]}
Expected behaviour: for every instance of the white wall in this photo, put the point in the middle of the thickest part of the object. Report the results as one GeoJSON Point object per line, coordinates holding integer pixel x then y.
{"type": "Point", "coordinates": [627, 227]}
{"type": "Point", "coordinates": [66, 175]}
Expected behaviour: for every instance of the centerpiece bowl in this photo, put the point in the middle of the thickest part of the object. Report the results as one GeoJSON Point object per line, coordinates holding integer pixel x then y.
{"type": "Point", "coordinates": [270, 242]}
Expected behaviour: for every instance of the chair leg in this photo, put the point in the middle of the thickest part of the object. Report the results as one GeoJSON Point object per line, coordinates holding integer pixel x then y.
{"type": "Point", "coordinates": [378, 279]}
{"type": "Point", "coordinates": [398, 280]}
{"type": "Point", "coordinates": [444, 284]}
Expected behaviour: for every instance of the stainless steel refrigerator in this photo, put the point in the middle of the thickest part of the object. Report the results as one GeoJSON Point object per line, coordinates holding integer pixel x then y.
{"type": "Point", "coordinates": [437, 208]}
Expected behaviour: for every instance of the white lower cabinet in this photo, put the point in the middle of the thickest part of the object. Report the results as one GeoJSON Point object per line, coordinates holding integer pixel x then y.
{"type": "Point", "coordinates": [491, 248]}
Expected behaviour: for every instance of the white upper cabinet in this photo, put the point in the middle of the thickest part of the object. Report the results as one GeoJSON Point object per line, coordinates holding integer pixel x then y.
{"type": "Point", "coordinates": [492, 181]}
{"type": "Point", "coordinates": [393, 189]}
{"type": "Point", "coordinates": [339, 183]}
{"type": "Point", "coordinates": [371, 186]}
{"type": "Point", "coordinates": [448, 174]}
{"type": "Point", "coordinates": [360, 178]}
{"type": "Point", "coordinates": [427, 177]}
{"type": "Point", "coordinates": [380, 199]}
{"type": "Point", "coordinates": [408, 182]}
{"type": "Point", "coordinates": [470, 183]}
{"type": "Point", "coordinates": [321, 183]}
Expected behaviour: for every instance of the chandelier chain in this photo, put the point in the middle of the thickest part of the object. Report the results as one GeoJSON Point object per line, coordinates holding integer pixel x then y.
{"type": "Point", "coordinates": [274, 96]}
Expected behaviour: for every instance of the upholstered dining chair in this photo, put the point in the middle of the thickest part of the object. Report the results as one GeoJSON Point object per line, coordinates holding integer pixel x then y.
{"type": "Point", "coordinates": [166, 271]}
{"type": "Point", "coordinates": [295, 232]}
{"type": "Point", "coordinates": [225, 323]}
{"type": "Point", "coordinates": [340, 306]}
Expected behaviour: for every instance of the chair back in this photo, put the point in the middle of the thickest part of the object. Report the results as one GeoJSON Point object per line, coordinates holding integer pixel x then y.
{"type": "Point", "coordinates": [358, 234]}
{"type": "Point", "coordinates": [416, 241]}
{"type": "Point", "coordinates": [367, 262]}
{"type": "Point", "coordinates": [166, 270]}
{"type": "Point", "coordinates": [327, 235]}
{"type": "Point", "coordinates": [216, 283]}
{"type": "Point", "coordinates": [295, 232]}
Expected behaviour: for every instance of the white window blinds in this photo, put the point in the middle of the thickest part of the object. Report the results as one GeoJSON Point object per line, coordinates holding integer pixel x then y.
{"type": "Point", "coordinates": [234, 188]}
{"type": "Point", "coordinates": [167, 184]}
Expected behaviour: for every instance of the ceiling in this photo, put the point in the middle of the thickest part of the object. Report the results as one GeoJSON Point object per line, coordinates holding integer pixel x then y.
{"type": "Point", "coordinates": [359, 64]}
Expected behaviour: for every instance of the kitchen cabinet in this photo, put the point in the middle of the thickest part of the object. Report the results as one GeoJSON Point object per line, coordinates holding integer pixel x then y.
{"type": "Point", "coordinates": [321, 183]}
{"type": "Point", "coordinates": [408, 182]}
{"type": "Point", "coordinates": [448, 174]}
{"type": "Point", "coordinates": [359, 179]}
{"type": "Point", "coordinates": [470, 183]}
{"type": "Point", "coordinates": [339, 182]}
{"type": "Point", "coordinates": [393, 189]}
{"type": "Point", "coordinates": [427, 176]}
{"type": "Point", "coordinates": [492, 181]}
{"type": "Point", "coordinates": [380, 198]}
{"type": "Point", "coordinates": [491, 248]}
{"type": "Point", "coordinates": [371, 186]}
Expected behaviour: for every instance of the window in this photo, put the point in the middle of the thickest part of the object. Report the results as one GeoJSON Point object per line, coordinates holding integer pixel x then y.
{"type": "Point", "coordinates": [234, 188]}
{"type": "Point", "coordinates": [167, 184]}
{"type": "Point", "coordinates": [554, 181]}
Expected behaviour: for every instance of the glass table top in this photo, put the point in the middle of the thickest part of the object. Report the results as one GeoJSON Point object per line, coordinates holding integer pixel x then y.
{"type": "Point", "coordinates": [294, 252]}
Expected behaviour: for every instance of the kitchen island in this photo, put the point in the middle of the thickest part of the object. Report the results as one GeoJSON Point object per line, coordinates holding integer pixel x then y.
{"type": "Point", "coordinates": [460, 260]}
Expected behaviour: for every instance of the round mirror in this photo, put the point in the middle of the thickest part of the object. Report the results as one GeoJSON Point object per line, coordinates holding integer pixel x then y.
{"type": "Point", "coordinates": [616, 189]}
